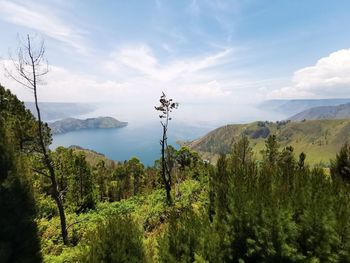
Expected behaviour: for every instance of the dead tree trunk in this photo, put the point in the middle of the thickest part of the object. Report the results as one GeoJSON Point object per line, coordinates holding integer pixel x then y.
{"type": "Point", "coordinates": [166, 107]}
{"type": "Point", "coordinates": [29, 70]}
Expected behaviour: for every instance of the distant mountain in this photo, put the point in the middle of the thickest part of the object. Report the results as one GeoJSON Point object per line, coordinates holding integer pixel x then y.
{"type": "Point", "coordinates": [72, 124]}
{"type": "Point", "coordinates": [291, 107]}
{"type": "Point", "coordinates": [323, 112]}
{"type": "Point", "coordinates": [319, 139]}
{"type": "Point", "coordinates": [58, 110]}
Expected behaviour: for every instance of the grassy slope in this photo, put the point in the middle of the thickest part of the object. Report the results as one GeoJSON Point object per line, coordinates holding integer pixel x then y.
{"type": "Point", "coordinates": [319, 139]}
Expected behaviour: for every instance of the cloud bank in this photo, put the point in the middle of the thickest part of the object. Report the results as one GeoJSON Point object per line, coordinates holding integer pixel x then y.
{"type": "Point", "coordinates": [328, 78]}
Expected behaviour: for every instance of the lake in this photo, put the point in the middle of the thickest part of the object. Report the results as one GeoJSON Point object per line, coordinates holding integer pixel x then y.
{"type": "Point", "coordinates": [140, 140]}
{"type": "Point", "coordinates": [141, 137]}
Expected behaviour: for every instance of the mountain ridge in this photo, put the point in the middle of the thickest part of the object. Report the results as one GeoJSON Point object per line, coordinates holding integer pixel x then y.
{"type": "Point", "coordinates": [294, 106]}
{"type": "Point", "coordinates": [341, 111]}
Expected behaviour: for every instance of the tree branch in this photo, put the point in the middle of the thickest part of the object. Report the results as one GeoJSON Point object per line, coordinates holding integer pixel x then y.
{"type": "Point", "coordinates": [41, 172]}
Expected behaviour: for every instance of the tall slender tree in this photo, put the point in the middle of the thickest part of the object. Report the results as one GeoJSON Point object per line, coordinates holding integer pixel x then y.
{"type": "Point", "coordinates": [165, 108]}
{"type": "Point", "coordinates": [29, 68]}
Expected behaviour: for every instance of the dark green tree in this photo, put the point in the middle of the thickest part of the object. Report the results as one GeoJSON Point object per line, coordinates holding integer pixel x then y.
{"type": "Point", "coordinates": [271, 152]}
{"type": "Point", "coordinates": [19, 240]}
{"type": "Point", "coordinates": [123, 180]}
{"type": "Point", "coordinates": [286, 161]}
{"type": "Point", "coordinates": [340, 167]}
{"type": "Point", "coordinates": [136, 170]}
{"type": "Point", "coordinates": [241, 160]}
{"type": "Point", "coordinates": [181, 240]}
{"type": "Point", "coordinates": [81, 192]}
{"type": "Point", "coordinates": [186, 158]}
{"type": "Point", "coordinates": [21, 123]}
{"type": "Point", "coordinates": [301, 161]}
{"type": "Point", "coordinates": [102, 179]}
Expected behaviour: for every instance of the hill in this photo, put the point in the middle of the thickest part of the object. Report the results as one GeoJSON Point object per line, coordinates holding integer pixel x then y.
{"type": "Point", "coordinates": [72, 124]}
{"type": "Point", "coordinates": [93, 157]}
{"type": "Point", "coordinates": [323, 112]}
{"type": "Point", "coordinates": [290, 107]}
{"type": "Point", "coordinates": [320, 139]}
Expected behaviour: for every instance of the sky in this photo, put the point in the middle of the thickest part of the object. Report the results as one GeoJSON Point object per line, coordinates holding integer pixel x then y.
{"type": "Point", "coordinates": [209, 53]}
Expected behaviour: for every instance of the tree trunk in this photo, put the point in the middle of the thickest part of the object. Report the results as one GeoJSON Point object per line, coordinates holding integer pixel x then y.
{"type": "Point", "coordinates": [165, 176]}
{"type": "Point", "coordinates": [55, 192]}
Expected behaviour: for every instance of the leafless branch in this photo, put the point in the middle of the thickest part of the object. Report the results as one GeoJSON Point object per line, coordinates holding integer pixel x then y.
{"type": "Point", "coordinates": [41, 172]}
{"type": "Point", "coordinates": [76, 222]}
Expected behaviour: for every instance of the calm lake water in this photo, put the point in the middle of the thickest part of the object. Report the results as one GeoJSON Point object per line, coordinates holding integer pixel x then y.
{"type": "Point", "coordinates": [140, 140]}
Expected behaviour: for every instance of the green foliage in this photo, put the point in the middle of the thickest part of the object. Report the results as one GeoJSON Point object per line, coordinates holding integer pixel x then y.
{"type": "Point", "coordinates": [74, 179]}
{"type": "Point", "coordinates": [18, 233]}
{"type": "Point", "coordinates": [340, 167]}
{"type": "Point", "coordinates": [181, 239]}
{"type": "Point", "coordinates": [21, 123]}
{"type": "Point", "coordinates": [136, 170]}
{"type": "Point", "coordinates": [270, 154]}
{"type": "Point", "coordinates": [116, 240]}
{"type": "Point", "coordinates": [282, 214]}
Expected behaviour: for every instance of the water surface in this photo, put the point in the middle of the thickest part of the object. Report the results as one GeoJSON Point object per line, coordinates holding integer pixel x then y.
{"type": "Point", "coordinates": [140, 140]}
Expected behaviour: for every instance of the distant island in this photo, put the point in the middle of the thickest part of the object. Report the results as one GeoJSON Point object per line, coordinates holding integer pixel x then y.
{"type": "Point", "coordinates": [72, 124]}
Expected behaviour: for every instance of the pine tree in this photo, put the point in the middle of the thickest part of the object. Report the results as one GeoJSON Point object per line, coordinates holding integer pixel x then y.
{"type": "Point", "coordinates": [341, 165]}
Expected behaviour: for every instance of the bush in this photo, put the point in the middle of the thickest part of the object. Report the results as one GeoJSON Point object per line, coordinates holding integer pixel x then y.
{"type": "Point", "coordinates": [118, 239]}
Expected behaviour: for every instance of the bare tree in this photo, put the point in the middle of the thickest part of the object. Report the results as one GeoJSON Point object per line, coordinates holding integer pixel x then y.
{"type": "Point", "coordinates": [165, 108]}
{"type": "Point", "coordinates": [29, 68]}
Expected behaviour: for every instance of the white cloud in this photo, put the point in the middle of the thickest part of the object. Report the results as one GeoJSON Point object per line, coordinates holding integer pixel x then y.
{"type": "Point", "coordinates": [40, 18]}
{"type": "Point", "coordinates": [329, 77]}
{"type": "Point", "coordinates": [135, 73]}
{"type": "Point", "coordinates": [188, 78]}
{"type": "Point", "coordinates": [142, 60]}
{"type": "Point", "coordinates": [65, 86]}
{"type": "Point", "coordinates": [134, 76]}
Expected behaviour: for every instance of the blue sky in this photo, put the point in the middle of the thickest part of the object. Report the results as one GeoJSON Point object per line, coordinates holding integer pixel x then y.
{"type": "Point", "coordinates": [199, 52]}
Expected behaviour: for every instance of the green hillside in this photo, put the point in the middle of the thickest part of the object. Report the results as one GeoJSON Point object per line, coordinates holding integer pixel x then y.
{"type": "Point", "coordinates": [320, 139]}
{"type": "Point", "coordinates": [93, 157]}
